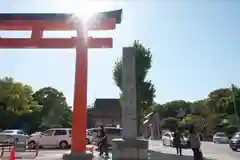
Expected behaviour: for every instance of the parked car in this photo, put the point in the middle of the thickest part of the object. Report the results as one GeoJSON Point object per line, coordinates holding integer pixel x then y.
{"type": "Point", "coordinates": [13, 135]}
{"type": "Point", "coordinates": [167, 140]}
{"type": "Point", "coordinates": [35, 134]}
{"type": "Point", "coordinates": [111, 132]}
{"type": "Point", "coordinates": [234, 143]}
{"type": "Point", "coordinates": [54, 137]}
{"type": "Point", "coordinates": [94, 133]}
{"type": "Point", "coordinates": [220, 137]}
{"type": "Point", "coordinates": [89, 137]}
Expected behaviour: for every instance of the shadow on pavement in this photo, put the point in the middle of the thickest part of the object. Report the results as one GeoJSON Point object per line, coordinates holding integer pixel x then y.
{"type": "Point", "coordinates": [153, 155]}
{"type": "Point", "coordinates": [54, 149]}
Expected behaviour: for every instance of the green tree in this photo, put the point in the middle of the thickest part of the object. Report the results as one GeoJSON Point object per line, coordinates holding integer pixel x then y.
{"type": "Point", "coordinates": [27, 110]}
{"type": "Point", "coordinates": [171, 123]}
{"type": "Point", "coordinates": [16, 96]}
{"type": "Point", "coordinates": [197, 121]}
{"type": "Point", "coordinates": [145, 88]}
{"type": "Point", "coordinates": [175, 108]}
{"type": "Point", "coordinates": [200, 108]}
{"type": "Point", "coordinates": [155, 107]}
{"type": "Point", "coordinates": [55, 111]}
{"type": "Point", "coordinates": [214, 98]}
{"type": "Point", "coordinates": [17, 102]}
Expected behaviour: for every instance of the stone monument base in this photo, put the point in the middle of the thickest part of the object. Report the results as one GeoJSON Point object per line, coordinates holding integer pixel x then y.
{"type": "Point", "coordinates": [129, 149]}
{"type": "Point", "coordinates": [78, 156]}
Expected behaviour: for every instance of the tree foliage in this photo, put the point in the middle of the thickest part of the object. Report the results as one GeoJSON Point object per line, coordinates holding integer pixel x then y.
{"type": "Point", "coordinates": [170, 123]}
{"type": "Point", "coordinates": [215, 113]}
{"type": "Point", "coordinates": [16, 96]}
{"type": "Point", "coordinates": [145, 88]}
{"type": "Point", "coordinates": [54, 108]}
{"type": "Point", "coordinates": [28, 110]}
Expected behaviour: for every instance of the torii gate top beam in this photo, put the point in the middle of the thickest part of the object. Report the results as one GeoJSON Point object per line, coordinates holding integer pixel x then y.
{"type": "Point", "coordinates": [51, 21]}
{"type": "Point", "coordinates": [37, 23]}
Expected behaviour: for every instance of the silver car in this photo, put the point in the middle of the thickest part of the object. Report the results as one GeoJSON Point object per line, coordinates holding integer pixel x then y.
{"type": "Point", "coordinates": [35, 134]}
{"type": "Point", "coordinates": [220, 137]}
{"type": "Point", "coordinates": [12, 135]}
{"type": "Point", "coordinates": [167, 140]}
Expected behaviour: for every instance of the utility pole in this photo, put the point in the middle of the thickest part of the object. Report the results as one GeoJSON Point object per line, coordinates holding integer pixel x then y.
{"type": "Point", "coordinates": [235, 105]}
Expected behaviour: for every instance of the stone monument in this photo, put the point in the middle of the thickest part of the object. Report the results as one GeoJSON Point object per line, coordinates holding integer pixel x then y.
{"type": "Point", "coordinates": [129, 147]}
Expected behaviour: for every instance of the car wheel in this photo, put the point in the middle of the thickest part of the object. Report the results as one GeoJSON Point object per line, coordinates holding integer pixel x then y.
{"type": "Point", "coordinates": [234, 149]}
{"type": "Point", "coordinates": [63, 144]}
{"type": "Point", "coordinates": [32, 145]}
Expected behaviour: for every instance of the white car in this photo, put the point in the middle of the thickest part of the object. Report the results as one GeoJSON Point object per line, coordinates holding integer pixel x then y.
{"type": "Point", "coordinates": [220, 137]}
{"type": "Point", "coordinates": [89, 137]}
{"type": "Point", "coordinates": [35, 134]}
{"type": "Point", "coordinates": [93, 133]}
{"type": "Point", "coordinates": [13, 135]}
{"type": "Point", "coordinates": [55, 137]}
{"type": "Point", "coordinates": [167, 140]}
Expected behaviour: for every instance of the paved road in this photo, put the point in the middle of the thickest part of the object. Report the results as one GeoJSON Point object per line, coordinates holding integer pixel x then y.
{"type": "Point", "coordinates": [157, 151]}
{"type": "Point", "coordinates": [210, 150]}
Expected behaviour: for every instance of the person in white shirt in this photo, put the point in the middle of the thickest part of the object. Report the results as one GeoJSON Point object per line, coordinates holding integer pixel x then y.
{"type": "Point", "coordinates": [195, 144]}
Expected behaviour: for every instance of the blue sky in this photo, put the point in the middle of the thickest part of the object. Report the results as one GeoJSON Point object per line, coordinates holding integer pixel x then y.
{"type": "Point", "coordinates": [195, 47]}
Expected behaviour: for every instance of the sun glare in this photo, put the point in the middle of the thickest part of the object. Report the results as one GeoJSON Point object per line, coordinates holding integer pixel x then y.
{"type": "Point", "coordinates": [83, 10]}
{"type": "Point", "coordinates": [88, 9]}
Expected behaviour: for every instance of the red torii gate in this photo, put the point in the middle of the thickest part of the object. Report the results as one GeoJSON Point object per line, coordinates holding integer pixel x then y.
{"type": "Point", "coordinates": [37, 23]}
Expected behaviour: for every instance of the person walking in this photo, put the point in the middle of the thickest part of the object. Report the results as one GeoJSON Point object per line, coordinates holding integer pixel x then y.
{"type": "Point", "coordinates": [177, 138]}
{"type": "Point", "coordinates": [102, 144]}
{"type": "Point", "coordinates": [195, 144]}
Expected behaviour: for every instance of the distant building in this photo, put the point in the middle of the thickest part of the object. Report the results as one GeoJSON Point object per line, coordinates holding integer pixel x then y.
{"type": "Point", "coordinates": [105, 112]}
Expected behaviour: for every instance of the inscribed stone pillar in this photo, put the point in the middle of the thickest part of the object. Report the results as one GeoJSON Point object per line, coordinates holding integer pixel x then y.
{"type": "Point", "coordinates": [129, 106]}
{"type": "Point", "coordinates": [129, 147]}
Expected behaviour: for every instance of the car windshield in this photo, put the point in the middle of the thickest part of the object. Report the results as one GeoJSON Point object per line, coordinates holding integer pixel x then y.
{"type": "Point", "coordinates": [220, 134]}
{"type": "Point", "coordinates": [8, 131]}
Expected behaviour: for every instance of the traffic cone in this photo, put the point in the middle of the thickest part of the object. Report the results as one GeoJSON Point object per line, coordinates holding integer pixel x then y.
{"type": "Point", "coordinates": [12, 153]}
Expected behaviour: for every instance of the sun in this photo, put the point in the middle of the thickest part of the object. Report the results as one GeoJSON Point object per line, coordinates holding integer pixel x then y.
{"type": "Point", "coordinates": [87, 10]}
{"type": "Point", "coordinates": [82, 9]}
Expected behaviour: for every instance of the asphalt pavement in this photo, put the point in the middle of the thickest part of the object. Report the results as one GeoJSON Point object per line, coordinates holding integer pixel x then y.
{"type": "Point", "coordinates": [210, 151]}
{"type": "Point", "coordinates": [157, 151]}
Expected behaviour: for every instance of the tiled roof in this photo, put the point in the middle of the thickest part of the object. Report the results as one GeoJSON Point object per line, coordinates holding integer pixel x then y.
{"type": "Point", "coordinates": [113, 103]}
{"type": "Point", "coordinates": [106, 108]}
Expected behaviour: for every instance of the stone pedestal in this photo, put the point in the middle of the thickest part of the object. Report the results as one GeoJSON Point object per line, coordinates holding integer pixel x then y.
{"type": "Point", "coordinates": [129, 147]}
{"type": "Point", "coordinates": [78, 156]}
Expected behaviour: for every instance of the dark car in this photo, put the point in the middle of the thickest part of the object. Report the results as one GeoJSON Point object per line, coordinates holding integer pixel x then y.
{"type": "Point", "coordinates": [235, 142]}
